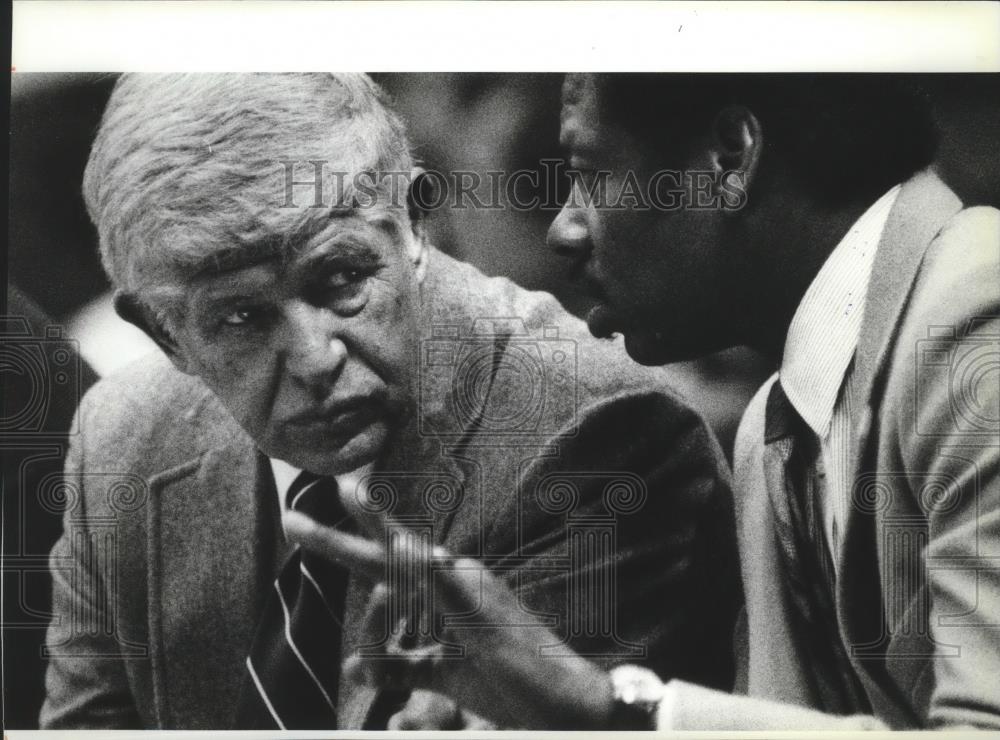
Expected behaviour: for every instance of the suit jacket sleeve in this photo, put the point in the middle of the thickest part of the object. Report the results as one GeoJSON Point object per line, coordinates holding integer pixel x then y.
{"type": "Point", "coordinates": [670, 589]}
{"type": "Point", "coordinates": [86, 686]}
{"type": "Point", "coordinates": [947, 396]}
{"type": "Point", "coordinates": [939, 446]}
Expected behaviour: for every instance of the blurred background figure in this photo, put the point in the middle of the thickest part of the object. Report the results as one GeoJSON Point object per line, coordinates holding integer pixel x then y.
{"type": "Point", "coordinates": [472, 122]}
{"type": "Point", "coordinates": [43, 380]}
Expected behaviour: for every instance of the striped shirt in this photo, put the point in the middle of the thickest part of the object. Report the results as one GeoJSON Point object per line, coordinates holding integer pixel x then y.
{"type": "Point", "coordinates": [816, 365]}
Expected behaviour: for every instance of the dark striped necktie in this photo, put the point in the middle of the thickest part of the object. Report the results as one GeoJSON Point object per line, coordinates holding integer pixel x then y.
{"type": "Point", "coordinates": [793, 469]}
{"type": "Point", "coordinates": [293, 667]}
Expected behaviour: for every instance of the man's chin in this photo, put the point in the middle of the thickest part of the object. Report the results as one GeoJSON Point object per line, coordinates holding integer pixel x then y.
{"type": "Point", "coordinates": [336, 457]}
{"type": "Point", "coordinates": [647, 348]}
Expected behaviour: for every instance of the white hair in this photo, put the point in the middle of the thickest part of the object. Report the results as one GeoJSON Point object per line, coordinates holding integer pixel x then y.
{"type": "Point", "coordinates": [185, 164]}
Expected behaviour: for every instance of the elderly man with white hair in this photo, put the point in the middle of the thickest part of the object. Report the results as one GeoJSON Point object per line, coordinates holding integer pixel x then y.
{"type": "Point", "coordinates": [315, 345]}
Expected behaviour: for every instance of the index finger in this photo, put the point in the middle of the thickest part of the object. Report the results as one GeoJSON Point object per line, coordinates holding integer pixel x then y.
{"type": "Point", "coordinates": [356, 553]}
{"type": "Point", "coordinates": [356, 498]}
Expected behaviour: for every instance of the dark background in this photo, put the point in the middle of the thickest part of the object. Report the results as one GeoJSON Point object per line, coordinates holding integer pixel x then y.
{"type": "Point", "coordinates": [457, 121]}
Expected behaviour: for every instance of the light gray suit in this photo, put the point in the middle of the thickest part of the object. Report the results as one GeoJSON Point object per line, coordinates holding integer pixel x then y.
{"type": "Point", "coordinates": [172, 535]}
{"type": "Point", "coordinates": [918, 597]}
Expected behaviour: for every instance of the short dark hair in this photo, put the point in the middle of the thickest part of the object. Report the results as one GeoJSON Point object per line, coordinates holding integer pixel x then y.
{"type": "Point", "coordinates": [846, 137]}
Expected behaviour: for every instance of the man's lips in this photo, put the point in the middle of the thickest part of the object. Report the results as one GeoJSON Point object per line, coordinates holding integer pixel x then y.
{"type": "Point", "coordinates": [602, 321]}
{"type": "Point", "coordinates": [340, 415]}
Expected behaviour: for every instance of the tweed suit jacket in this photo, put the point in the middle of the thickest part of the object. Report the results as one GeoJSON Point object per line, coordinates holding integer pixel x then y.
{"type": "Point", "coordinates": [172, 532]}
{"type": "Point", "coordinates": [918, 595]}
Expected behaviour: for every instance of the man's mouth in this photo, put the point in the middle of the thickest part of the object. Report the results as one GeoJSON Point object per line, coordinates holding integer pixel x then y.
{"type": "Point", "coordinates": [342, 418]}
{"type": "Point", "coordinates": [602, 321]}
{"type": "Point", "coordinates": [645, 346]}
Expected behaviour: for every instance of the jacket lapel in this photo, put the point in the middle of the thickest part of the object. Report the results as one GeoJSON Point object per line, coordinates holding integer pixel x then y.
{"type": "Point", "coordinates": [427, 480]}
{"type": "Point", "coordinates": [923, 207]}
{"type": "Point", "coordinates": [426, 486]}
{"type": "Point", "coordinates": [212, 552]}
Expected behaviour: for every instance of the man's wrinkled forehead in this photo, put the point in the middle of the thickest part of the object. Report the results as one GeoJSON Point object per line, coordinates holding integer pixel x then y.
{"type": "Point", "coordinates": [232, 257]}
{"type": "Point", "coordinates": [579, 117]}
{"type": "Point", "coordinates": [336, 232]}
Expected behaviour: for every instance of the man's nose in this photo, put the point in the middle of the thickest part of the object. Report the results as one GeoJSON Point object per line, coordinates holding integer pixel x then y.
{"type": "Point", "coordinates": [314, 351]}
{"type": "Point", "coordinates": [568, 234]}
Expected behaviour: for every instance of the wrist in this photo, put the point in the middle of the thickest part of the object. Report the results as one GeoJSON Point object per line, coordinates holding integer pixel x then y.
{"type": "Point", "coordinates": [602, 705]}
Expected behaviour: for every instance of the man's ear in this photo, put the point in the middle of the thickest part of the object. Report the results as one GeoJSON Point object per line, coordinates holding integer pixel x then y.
{"type": "Point", "coordinates": [417, 244]}
{"type": "Point", "coordinates": [134, 311]}
{"type": "Point", "coordinates": [737, 145]}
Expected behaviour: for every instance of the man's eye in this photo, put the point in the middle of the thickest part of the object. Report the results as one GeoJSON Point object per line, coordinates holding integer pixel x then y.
{"type": "Point", "coordinates": [243, 317]}
{"type": "Point", "coordinates": [344, 278]}
{"type": "Point", "coordinates": [344, 290]}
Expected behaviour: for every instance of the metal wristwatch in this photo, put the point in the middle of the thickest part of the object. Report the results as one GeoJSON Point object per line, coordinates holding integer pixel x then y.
{"type": "Point", "coordinates": [637, 694]}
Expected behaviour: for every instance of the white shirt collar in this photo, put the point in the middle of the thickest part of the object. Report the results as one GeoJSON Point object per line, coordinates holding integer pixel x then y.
{"type": "Point", "coordinates": [823, 335]}
{"type": "Point", "coordinates": [284, 475]}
